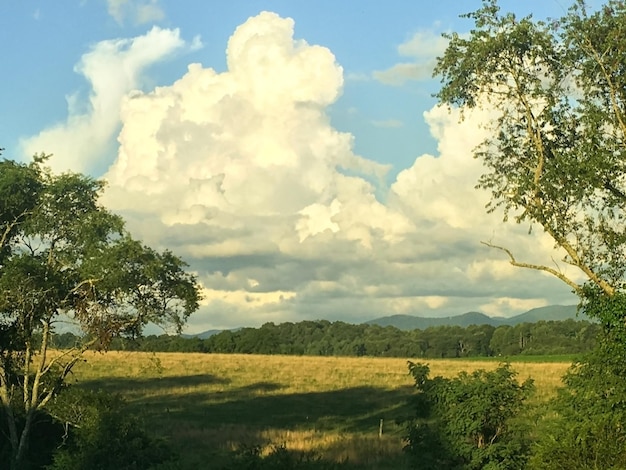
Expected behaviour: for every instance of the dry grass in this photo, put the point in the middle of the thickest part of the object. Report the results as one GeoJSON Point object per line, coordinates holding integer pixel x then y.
{"type": "Point", "coordinates": [212, 403]}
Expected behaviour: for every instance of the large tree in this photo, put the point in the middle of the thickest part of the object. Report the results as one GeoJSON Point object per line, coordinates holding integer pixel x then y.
{"type": "Point", "coordinates": [556, 155]}
{"type": "Point", "coordinates": [556, 159]}
{"type": "Point", "coordinates": [65, 259]}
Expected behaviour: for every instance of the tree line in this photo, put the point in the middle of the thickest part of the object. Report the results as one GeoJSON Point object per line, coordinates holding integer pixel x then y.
{"type": "Point", "coordinates": [325, 338]}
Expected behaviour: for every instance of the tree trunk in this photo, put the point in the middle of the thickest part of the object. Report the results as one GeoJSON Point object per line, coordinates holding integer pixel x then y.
{"type": "Point", "coordinates": [5, 399]}
{"type": "Point", "coordinates": [23, 444]}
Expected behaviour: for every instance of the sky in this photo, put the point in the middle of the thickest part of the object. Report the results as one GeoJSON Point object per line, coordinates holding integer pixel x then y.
{"type": "Point", "coordinates": [291, 152]}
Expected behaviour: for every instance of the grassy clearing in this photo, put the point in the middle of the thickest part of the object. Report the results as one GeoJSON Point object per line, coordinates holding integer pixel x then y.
{"type": "Point", "coordinates": [210, 404]}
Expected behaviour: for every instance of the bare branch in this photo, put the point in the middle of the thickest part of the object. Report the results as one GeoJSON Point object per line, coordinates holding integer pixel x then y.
{"type": "Point", "coordinates": [577, 288]}
{"type": "Point", "coordinates": [86, 281]}
{"type": "Point", "coordinates": [7, 231]}
{"type": "Point", "coordinates": [53, 391]}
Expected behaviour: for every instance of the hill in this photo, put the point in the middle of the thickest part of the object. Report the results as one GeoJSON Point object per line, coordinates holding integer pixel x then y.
{"type": "Point", "coordinates": [412, 322]}
{"type": "Point", "coordinates": [203, 335]}
{"type": "Point", "coordinates": [548, 313]}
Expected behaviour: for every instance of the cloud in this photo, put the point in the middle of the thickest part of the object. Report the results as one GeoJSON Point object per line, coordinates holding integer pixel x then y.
{"type": "Point", "coordinates": [357, 77]}
{"type": "Point", "coordinates": [242, 174]}
{"type": "Point", "coordinates": [112, 68]}
{"type": "Point", "coordinates": [424, 45]}
{"type": "Point", "coordinates": [423, 48]}
{"type": "Point", "coordinates": [139, 11]}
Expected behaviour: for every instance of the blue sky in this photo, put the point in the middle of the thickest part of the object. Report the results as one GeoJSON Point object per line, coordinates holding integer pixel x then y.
{"type": "Point", "coordinates": [298, 172]}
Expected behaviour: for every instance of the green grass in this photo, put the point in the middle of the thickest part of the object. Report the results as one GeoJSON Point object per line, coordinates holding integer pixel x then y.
{"type": "Point", "coordinates": [210, 405]}
{"type": "Point", "coordinates": [559, 358]}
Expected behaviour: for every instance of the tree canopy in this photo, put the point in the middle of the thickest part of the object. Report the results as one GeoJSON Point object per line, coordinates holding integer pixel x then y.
{"type": "Point", "coordinates": [556, 155]}
{"type": "Point", "coordinates": [556, 158]}
{"type": "Point", "coordinates": [65, 259]}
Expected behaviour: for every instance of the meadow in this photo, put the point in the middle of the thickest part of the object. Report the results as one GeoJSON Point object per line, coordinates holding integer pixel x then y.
{"type": "Point", "coordinates": [209, 405]}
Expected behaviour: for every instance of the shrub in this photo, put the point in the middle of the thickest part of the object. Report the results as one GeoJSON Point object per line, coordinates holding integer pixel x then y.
{"type": "Point", "coordinates": [279, 458]}
{"type": "Point", "coordinates": [468, 422]}
{"type": "Point", "coordinates": [104, 435]}
{"type": "Point", "coordinates": [587, 429]}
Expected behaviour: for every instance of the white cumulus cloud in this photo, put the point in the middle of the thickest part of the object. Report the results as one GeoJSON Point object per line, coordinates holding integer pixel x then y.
{"type": "Point", "coordinates": [112, 68]}
{"type": "Point", "coordinates": [242, 174]}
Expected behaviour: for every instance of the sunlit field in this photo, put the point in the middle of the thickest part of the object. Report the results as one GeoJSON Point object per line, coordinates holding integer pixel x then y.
{"type": "Point", "coordinates": [210, 404]}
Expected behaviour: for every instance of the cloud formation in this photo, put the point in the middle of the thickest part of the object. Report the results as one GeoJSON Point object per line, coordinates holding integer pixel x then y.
{"type": "Point", "coordinates": [138, 11]}
{"type": "Point", "coordinates": [242, 174]}
{"type": "Point", "coordinates": [112, 68]}
{"type": "Point", "coordinates": [423, 48]}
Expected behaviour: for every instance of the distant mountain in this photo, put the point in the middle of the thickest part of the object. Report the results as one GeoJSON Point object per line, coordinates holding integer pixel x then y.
{"type": "Point", "coordinates": [549, 313]}
{"type": "Point", "coordinates": [208, 333]}
{"type": "Point", "coordinates": [203, 335]}
{"type": "Point", "coordinates": [412, 322]}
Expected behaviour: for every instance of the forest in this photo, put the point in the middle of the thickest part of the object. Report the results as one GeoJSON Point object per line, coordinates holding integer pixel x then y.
{"type": "Point", "coordinates": [325, 338]}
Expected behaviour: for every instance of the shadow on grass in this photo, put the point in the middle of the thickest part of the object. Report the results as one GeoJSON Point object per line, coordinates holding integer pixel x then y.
{"type": "Point", "coordinates": [355, 409]}
{"type": "Point", "coordinates": [124, 385]}
{"type": "Point", "coordinates": [207, 423]}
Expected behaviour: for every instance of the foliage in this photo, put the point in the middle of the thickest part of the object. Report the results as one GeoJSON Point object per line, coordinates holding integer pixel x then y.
{"type": "Point", "coordinates": [84, 429]}
{"type": "Point", "coordinates": [468, 422]}
{"type": "Point", "coordinates": [587, 429]}
{"type": "Point", "coordinates": [279, 458]}
{"type": "Point", "coordinates": [104, 435]}
{"type": "Point", "coordinates": [45, 437]}
{"type": "Point", "coordinates": [63, 257]}
{"type": "Point", "coordinates": [323, 338]}
{"type": "Point", "coordinates": [556, 155]}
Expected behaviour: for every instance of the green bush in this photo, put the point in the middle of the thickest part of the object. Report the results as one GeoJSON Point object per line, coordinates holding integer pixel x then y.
{"type": "Point", "coordinates": [587, 426]}
{"type": "Point", "coordinates": [105, 436]}
{"type": "Point", "coordinates": [280, 458]}
{"type": "Point", "coordinates": [468, 422]}
{"type": "Point", "coordinates": [44, 439]}
{"type": "Point", "coordinates": [587, 429]}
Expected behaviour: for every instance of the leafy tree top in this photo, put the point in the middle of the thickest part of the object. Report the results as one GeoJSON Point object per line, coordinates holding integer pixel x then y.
{"type": "Point", "coordinates": [556, 155]}
{"type": "Point", "coordinates": [62, 252]}
{"type": "Point", "coordinates": [64, 257]}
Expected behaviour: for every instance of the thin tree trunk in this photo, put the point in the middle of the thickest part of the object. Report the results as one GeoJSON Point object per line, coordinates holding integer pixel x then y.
{"type": "Point", "coordinates": [5, 398]}
{"type": "Point", "coordinates": [31, 395]}
{"type": "Point", "coordinates": [24, 438]}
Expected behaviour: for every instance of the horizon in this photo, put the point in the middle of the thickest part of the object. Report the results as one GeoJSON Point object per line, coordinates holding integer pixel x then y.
{"type": "Point", "coordinates": [494, 317]}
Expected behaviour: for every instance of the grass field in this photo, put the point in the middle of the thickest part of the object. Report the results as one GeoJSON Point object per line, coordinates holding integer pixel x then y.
{"type": "Point", "coordinates": [211, 404]}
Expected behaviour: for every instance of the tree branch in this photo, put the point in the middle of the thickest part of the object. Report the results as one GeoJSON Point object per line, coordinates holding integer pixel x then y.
{"type": "Point", "coordinates": [577, 288]}
{"type": "Point", "coordinates": [609, 81]}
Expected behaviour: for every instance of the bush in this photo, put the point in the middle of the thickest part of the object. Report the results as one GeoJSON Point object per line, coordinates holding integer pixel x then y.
{"type": "Point", "coordinates": [587, 429]}
{"type": "Point", "coordinates": [105, 435]}
{"type": "Point", "coordinates": [44, 439]}
{"type": "Point", "coordinates": [279, 458]}
{"type": "Point", "coordinates": [468, 422]}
